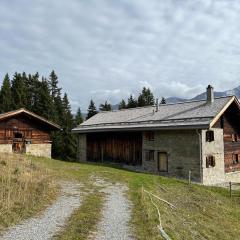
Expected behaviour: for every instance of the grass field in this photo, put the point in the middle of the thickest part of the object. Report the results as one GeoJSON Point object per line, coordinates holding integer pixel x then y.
{"type": "Point", "coordinates": [201, 212]}
{"type": "Point", "coordinates": [25, 189]}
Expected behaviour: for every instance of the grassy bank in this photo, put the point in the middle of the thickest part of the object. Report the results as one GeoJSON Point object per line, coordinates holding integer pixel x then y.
{"type": "Point", "coordinates": [201, 212]}
{"type": "Point", "coordinates": [25, 189]}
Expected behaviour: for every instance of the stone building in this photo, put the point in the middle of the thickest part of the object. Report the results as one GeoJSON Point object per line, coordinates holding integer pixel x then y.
{"type": "Point", "coordinates": [22, 131]}
{"type": "Point", "coordinates": [169, 139]}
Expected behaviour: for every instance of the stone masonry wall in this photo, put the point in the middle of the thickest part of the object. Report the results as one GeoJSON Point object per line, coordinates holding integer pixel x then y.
{"type": "Point", "coordinates": [41, 150]}
{"type": "Point", "coordinates": [6, 148]}
{"type": "Point", "coordinates": [82, 148]}
{"type": "Point", "coordinates": [183, 149]}
{"type": "Point", "coordinates": [213, 175]}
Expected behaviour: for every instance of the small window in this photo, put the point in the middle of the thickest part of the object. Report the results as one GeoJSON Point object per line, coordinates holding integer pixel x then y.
{"type": "Point", "coordinates": [234, 137]}
{"type": "Point", "coordinates": [149, 155]}
{"type": "Point", "coordinates": [149, 135]}
{"type": "Point", "coordinates": [209, 136]}
{"type": "Point", "coordinates": [210, 161]}
{"type": "Point", "coordinates": [235, 159]}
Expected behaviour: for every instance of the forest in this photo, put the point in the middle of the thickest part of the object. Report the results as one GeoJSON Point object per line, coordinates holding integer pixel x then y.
{"type": "Point", "coordinates": [44, 97]}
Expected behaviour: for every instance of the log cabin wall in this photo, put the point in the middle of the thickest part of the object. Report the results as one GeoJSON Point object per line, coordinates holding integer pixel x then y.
{"type": "Point", "coordinates": [125, 147]}
{"type": "Point", "coordinates": [31, 130]}
{"type": "Point", "coordinates": [230, 123]}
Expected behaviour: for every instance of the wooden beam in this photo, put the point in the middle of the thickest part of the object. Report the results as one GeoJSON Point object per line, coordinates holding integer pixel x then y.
{"type": "Point", "coordinates": [215, 119]}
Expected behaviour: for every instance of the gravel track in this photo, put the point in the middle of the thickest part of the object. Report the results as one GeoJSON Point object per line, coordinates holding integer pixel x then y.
{"type": "Point", "coordinates": [116, 214]}
{"type": "Point", "coordinates": [45, 226]}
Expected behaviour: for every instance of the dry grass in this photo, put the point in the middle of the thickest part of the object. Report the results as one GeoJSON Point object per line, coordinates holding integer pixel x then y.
{"type": "Point", "coordinates": [25, 189]}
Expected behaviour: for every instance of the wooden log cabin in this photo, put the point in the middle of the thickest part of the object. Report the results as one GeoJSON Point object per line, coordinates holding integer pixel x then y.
{"type": "Point", "coordinates": [22, 131]}
{"type": "Point", "coordinates": [201, 137]}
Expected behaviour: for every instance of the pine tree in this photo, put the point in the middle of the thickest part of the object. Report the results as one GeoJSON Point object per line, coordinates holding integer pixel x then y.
{"type": "Point", "coordinates": [6, 101]}
{"type": "Point", "coordinates": [91, 110]}
{"type": "Point", "coordinates": [18, 91]}
{"type": "Point", "coordinates": [132, 103]}
{"type": "Point", "coordinates": [145, 98]}
{"type": "Point", "coordinates": [43, 104]}
{"type": "Point", "coordinates": [163, 101]}
{"type": "Point", "coordinates": [122, 105]}
{"type": "Point", "coordinates": [78, 118]}
{"type": "Point", "coordinates": [69, 140]}
{"type": "Point", "coordinates": [53, 83]}
{"type": "Point", "coordinates": [105, 106]}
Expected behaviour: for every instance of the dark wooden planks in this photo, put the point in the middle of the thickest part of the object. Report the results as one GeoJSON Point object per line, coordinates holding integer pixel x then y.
{"type": "Point", "coordinates": [120, 147]}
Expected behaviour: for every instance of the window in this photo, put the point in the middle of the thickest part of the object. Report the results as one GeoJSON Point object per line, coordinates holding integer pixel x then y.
{"type": "Point", "coordinates": [210, 161]}
{"type": "Point", "coordinates": [149, 155]}
{"type": "Point", "coordinates": [234, 137]}
{"type": "Point", "coordinates": [162, 162]}
{"type": "Point", "coordinates": [235, 159]}
{"type": "Point", "coordinates": [149, 135]}
{"type": "Point", "coordinates": [209, 136]}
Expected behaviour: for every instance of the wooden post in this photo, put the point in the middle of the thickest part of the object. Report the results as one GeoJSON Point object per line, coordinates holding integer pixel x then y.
{"type": "Point", "coordinates": [230, 189]}
{"type": "Point", "coordinates": [189, 177]}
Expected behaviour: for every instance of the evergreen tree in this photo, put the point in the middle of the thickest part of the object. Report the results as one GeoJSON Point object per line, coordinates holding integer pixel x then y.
{"type": "Point", "coordinates": [132, 103]}
{"type": "Point", "coordinates": [6, 101]}
{"type": "Point", "coordinates": [122, 105]}
{"type": "Point", "coordinates": [163, 101]}
{"type": "Point", "coordinates": [78, 118]}
{"type": "Point", "coordinates": [53, 83]}
{"type": "Point", "coordinates": [31, 83]}
{"type": "Point", "coordinates": [43, 104]}
{"type": "Point", "coordinates": [145, 98]}
{"type": "Point", "coordinates": [105, 106]}
{"type": "Point", "coordinates": [69, 140]}
{"type": "Point", "coordinates": [91, 110]}
{"type": "Point", "coordinates": [18, 91]}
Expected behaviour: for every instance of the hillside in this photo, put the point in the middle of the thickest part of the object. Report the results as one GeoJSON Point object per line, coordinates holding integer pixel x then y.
{"type": "Point", "coordinates": [200, 213]}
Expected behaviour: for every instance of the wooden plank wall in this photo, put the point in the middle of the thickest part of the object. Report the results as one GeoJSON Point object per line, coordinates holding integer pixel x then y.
{"type": "Point", "coordinates": [230, 122]}
{"type": "Point", "coordinates": [117, 147]}
{"type": "Point", "coordinates": [29, 128]}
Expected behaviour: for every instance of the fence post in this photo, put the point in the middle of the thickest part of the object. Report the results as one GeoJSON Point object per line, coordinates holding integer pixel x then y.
{"type": "Point", "coordinates": [189, 177]}
{"type": "Point", "coordinates": [230, 188]}
{"type": "Point", "coordinates": [102, 153]}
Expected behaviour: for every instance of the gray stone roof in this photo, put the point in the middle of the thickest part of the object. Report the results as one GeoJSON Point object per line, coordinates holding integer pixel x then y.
{"type": "Point", "coordinates": [194, 114]}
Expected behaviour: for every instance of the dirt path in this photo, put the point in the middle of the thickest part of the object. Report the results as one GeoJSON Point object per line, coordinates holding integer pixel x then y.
{"type": "Point", "coordinates": [116, 214]}
{"type": "Point", "coordinates": [45, 226]}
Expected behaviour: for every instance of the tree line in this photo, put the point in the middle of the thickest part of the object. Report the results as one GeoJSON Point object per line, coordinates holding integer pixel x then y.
{"type": "Point", "coordinates": [43, 96]}
{"type": "Point", "coordinates": [145, 98]}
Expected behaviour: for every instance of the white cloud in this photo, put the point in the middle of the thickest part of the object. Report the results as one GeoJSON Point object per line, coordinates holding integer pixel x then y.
{"type": "Point", "coordinates": [108, 49]}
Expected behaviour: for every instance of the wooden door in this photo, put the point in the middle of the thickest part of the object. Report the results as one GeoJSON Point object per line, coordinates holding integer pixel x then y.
{"type": "Point", "coordinates": [162, 162]}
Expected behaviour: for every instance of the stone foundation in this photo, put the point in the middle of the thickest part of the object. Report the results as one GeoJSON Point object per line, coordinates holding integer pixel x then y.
{"type": "Point", "coordinates": [6, 148]}
{"type": "Point", "coordinates": [40, 150]}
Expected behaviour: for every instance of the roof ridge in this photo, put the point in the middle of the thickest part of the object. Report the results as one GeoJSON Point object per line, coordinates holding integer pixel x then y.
{"type": "Point", "coordinates": [166, 104]}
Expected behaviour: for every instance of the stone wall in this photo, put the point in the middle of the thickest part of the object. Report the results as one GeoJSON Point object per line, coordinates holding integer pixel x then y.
{"type": "Point", "coordinates": [213, 175]}
{"type": "Point", "coordinates": [183, 149]}
{"type": "Point", "coordinates": [82, 148]}
{"type": "Point", "coordinates": [41, 150]}
{"type": "Point", "coordinates": [6, 148]}
{"type": "Point", "coordinates": [232, 177]}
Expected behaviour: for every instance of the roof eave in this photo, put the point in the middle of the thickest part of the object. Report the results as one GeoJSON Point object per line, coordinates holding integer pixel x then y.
{"type": "Point", "coordinates": [114, 129]}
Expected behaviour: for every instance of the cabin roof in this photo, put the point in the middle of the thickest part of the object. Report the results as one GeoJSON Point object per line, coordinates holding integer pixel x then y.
{"type": "Point", "coordinates": [23, 110]}
{"type": "Point", "coordinates": [192, 115]}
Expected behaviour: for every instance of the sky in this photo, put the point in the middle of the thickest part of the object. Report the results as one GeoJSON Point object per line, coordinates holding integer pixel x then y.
{"type": "Point", "coordinates": [107, 49]}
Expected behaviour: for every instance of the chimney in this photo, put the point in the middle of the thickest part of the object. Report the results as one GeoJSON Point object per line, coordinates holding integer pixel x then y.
{"type": "Point", "coordinates": [210, 94]}
{"type": "Point", "coordinates": [156, 104]}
